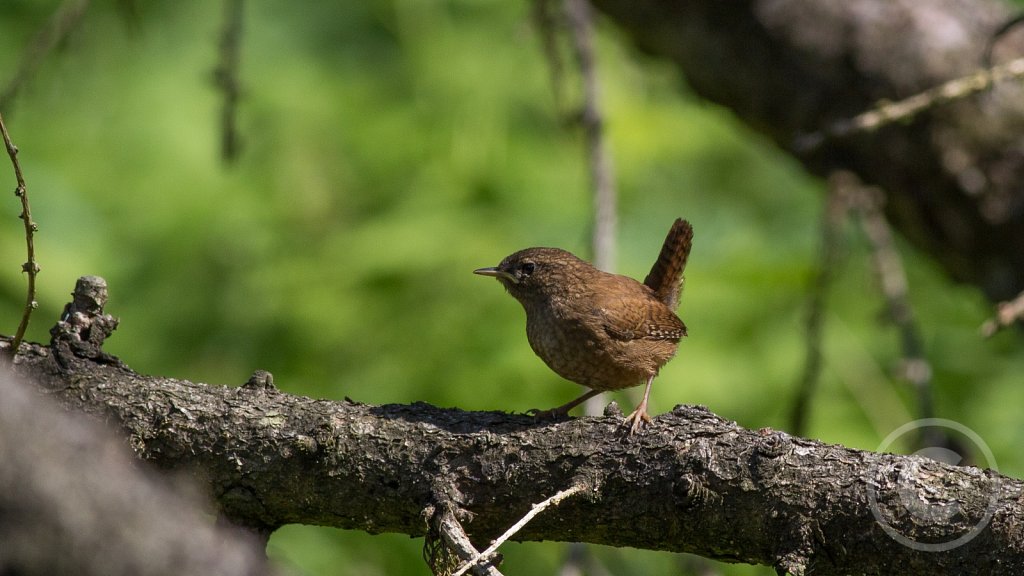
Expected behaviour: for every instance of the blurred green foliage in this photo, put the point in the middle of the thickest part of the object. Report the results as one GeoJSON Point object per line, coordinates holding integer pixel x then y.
{"type": "Point", "coordinates": [389, 149]}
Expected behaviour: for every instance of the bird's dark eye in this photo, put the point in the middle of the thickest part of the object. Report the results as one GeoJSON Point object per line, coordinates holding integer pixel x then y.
{"type": "Point", "coordinates": [526, 268]}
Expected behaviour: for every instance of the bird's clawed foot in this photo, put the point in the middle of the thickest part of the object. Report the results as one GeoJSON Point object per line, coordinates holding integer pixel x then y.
{"type": "Point", "coordinates": [639, 417]}
{"type": "Point", "coordinates": [636, 420]}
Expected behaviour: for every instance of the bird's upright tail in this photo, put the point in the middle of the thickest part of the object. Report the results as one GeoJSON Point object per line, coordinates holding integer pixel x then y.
{"type": "Point", "coordinates": [666, 276]}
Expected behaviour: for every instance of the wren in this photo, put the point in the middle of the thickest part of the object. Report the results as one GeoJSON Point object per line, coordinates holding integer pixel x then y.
{"type": "Point", "coordinates": [604, 331]}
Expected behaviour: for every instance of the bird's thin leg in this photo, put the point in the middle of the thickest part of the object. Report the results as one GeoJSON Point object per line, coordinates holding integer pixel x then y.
{"type": "Point", "coordinates": [564, 408]}
{"type": "Point", "coordinates": [637, 418]}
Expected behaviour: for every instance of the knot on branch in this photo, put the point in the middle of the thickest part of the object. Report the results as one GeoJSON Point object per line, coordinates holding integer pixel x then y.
{"type": "Point", "coordinates": [690, 491]}
{"type": "Point", "coordinates": [613, 410]}
{"type": "Point", "coordinates": [83, 326]}
{"type": "Point", "coordinates": [260, 380]}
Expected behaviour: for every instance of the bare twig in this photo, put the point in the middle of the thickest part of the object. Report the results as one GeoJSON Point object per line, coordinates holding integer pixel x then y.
{"type": "Point", "coordinates": [580, 19]}
{"type": "Point", "coordinates": [30, 267]}
{"type": "Point", "coordinates": [226, 77]}
{"type": "Point", "coordinates": [536, 509]}
{"type": "Point", "coordinates": [834, 214]}
{"type": "Point", "coordinates": [893, 280]}
{"type": "Point", "coordinates": [61, 23]}
{"type": "Point", "coordinates": [546, 18]}
{"type": "Point", "coordinates": [1007, 313]}
{"type": "Point", "coordinates": [887, 112]}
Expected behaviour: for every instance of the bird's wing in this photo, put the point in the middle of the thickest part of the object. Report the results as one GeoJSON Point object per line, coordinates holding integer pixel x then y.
{"type": "Point", "coordinates": [633, 314]}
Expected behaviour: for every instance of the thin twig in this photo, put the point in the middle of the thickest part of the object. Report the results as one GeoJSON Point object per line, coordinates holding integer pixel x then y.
{"type": "Point", "coordinates": [580, 18]}
{"type": "Point", "coordinates": [836, 206]}
{"type": "Point", "coordinates": [535, 510]}
{"type": "Point", "coordinates": [887, 112]}
{"type": "Point", "coordinates": [1007, 313]}
{"type": "Point", "coordinates": [30, 267]}
{"type": "Point", "coordinates": [547, 20]}
{"type": "Point", "coordinates": [61, 23]}
{"type": "Point", "coordinates": [893, 280]}
{"type": "Point", "coordinates": [226, 77]}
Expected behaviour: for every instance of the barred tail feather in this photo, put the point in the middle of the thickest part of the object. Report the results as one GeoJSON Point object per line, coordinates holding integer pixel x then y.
{"type": "Point", "coordinates": [666, 276]}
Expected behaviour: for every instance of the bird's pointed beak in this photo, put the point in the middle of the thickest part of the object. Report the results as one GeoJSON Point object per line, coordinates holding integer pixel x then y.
{"type": "Point", "coordinates": [495, 272]}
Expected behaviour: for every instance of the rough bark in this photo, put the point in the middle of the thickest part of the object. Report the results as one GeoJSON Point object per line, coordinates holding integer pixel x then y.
{"type": "Point", "coordinates": [692, 482]}
{"type": "Point", "coordinates": [792, 67]}
{"type": "Point", "coordinates": [74, 500]}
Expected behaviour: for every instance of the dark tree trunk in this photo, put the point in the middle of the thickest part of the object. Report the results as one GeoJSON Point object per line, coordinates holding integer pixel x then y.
{"type": "Point", "coordinates": [952, 175]}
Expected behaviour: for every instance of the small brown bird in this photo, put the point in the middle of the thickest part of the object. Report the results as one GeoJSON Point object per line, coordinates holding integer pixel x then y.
{"type": "Point", "coordinates": [601, 330]}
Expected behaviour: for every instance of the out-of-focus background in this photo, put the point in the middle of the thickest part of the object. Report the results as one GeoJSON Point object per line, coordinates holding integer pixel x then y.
{"type": "Point", "coordinates": [388, 149]}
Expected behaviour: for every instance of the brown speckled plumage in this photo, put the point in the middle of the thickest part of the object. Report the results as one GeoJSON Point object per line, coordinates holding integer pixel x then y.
{"type": "Point", "coordinates": [604, 331]}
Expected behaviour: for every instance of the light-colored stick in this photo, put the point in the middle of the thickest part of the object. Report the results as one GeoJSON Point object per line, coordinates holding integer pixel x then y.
{"type": "Point", "coordinates": [888, 112]}
{"type": "Point", "coordinates": [1007, 313]}
{"type": "Point", "coordinates": [536, 509]}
